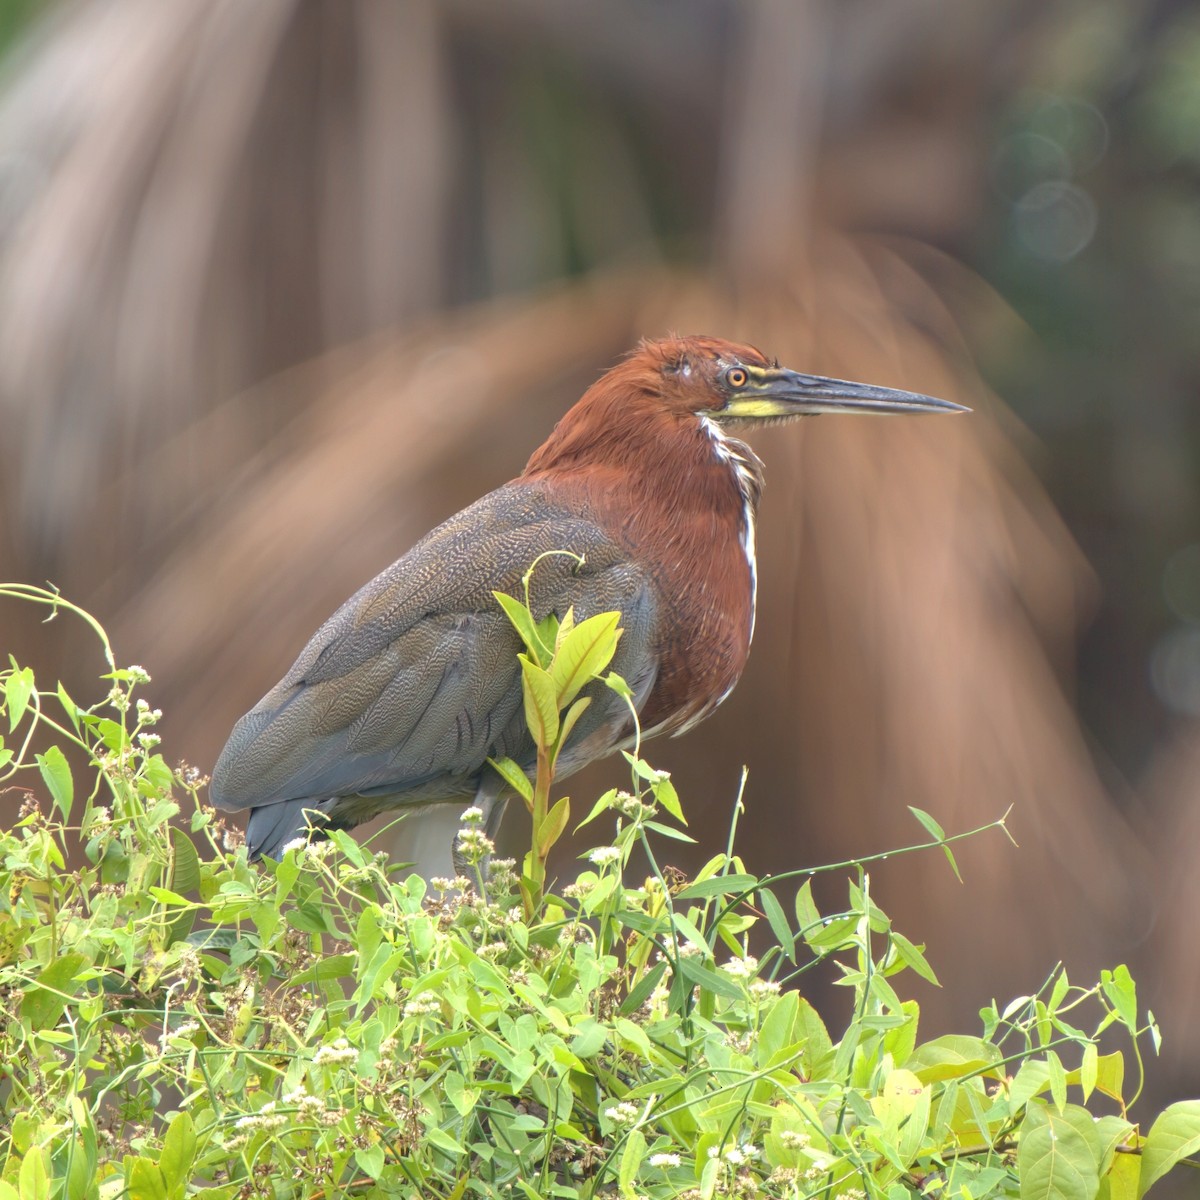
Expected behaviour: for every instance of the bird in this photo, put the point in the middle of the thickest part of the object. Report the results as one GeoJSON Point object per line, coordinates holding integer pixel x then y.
{"type": "Point", "coordinates": [403, 695]}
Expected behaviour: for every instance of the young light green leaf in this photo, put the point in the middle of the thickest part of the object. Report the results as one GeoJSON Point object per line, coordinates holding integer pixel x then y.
{"type": "Point", "coordinates": [18, 688]}
{"type": "Point", "coordinates": [522, 621]}
{"type": "Point", "coordinates": [570, 717]}
{"type": "Point", "coordinates": [541, 703]}
{"type": "Point", "coordinates": [553, 825]}
{"type": "Point", "coordinates": [1121, 992]}
{"type": "Point", "coordinates": [516, 779]}
{"type": "Point", "coordinates": [665, 793]}
{"type": "Point", "coordinates": [57, 776]}
{"type": "Point", "coordinates": [583, 653]}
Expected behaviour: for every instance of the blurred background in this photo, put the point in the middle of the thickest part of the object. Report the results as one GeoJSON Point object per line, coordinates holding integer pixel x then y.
{"type": "Point", "coordinates": [284, 284]}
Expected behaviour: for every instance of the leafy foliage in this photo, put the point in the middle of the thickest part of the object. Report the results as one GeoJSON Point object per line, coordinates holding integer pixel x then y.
{"type": "Point", "coordinates": [178, 1022]}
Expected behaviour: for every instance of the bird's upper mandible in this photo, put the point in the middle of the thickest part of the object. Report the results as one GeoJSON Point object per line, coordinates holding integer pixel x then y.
{"type": "Point", "coordinates": [403, 695]}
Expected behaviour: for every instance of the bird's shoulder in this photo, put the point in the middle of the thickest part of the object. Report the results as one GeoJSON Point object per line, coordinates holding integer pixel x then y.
{"type": "Point", "coordinates": [453, 571]}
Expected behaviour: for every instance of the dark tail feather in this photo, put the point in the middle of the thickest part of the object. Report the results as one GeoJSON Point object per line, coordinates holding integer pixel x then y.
{"type": "Point", "coordinates": [271, 827]}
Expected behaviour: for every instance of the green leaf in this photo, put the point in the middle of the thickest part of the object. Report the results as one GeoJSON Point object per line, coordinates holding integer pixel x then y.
{"type": "Point", "coordinates": [589, 1039]}
{"type": "Point", "coordinates": [47, 996]}
{"type": "Point", "coordinates": [570, 717]}
{"type": "Point", "coordinates": [336, 966]}
{"type": "Point", "coordinates": [718, 885]}
{"type": "Point", "coordinates": [778, 921]}
{"type": "Point", "coordinates": [541, 703]}
{"type": "Point", "coordinates": [913, 958]}
{"type": "Point", "coordinates": [514, 777]}
{"type": "Point", "coordinates": [18, 688]}
{"type": "Point", "coordinates": [1054, 1162]}
{"type": "Point", "coordinates": [33, 1180]}
{"type": "Point", "coordinates": [583, 653]}
{"type": "Point", "coordinates": [146, 1181]}
{"type": "Point", "coordinates": [371, 1159]}
{"type": "Point", "coordinates": [178, 1152]}
{"type": "Point", "coordinates": [1174, 1136]}
{"type": "Point", "coordinates": [704, 977]}
{"type": "Point", "coordinates": [953, 1057]}
{"type": "Point", "coordinates": [523, 622]}
{"type": "Point", "coordinates": [185, 867]}
{"type": "Point", "coordinates": [641, 993]}
{"type": "Point", "coordinates": [553, 825]}
{"type": "Point", "coordinates": [931, 826]}
{"type": "Point", "coordinates": [665, 793]}
{"type": "Point", "coordinates": [1121, 992]}
{"type": "Point", "coordinates": [631, 1160]}
{"type": "Point", "coordinates": [57, 776]}
{"type": "Point", "coordinates": [807, 916]}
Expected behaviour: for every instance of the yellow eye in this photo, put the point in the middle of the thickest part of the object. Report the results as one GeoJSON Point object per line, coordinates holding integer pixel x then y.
{"type": "Point", "coordinates": [737, 377]}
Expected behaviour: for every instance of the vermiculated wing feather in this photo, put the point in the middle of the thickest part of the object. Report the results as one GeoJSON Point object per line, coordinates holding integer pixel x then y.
{"type": "Point", "coordinates": [414, 681]}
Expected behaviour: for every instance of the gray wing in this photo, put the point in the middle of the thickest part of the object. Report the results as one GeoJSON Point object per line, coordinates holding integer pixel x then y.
{"type": "Point", "coordinates": [414, 681]}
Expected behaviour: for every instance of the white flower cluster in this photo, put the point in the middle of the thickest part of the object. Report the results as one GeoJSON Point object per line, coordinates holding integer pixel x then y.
{"type": "Point", "coordinates": [422, 1006]}
{"type": "Point", "coordinates": [473, 844]}
{"type": "Point", "coordinates": [338, 1052]}
{"type": "Point", "coordinates": [793, 1139]}
{"type": "Point", "coordinates": [741, 968]}
{"type": "Point", "coordinates": [265, 1118]}
{"type": "Point", "coordinates": [735, 1156]}
{"type": "Point", "coordinates": [625, 1113]}
{"type": "Point", "coordinates": [664, 1160]}
{"type": "Point", "coordinates": [307, 1104]}
{"type": "Point", "coordinates": [147, 715]}
{"type": "Point", "coordinates": [763, 989]}
{"type": "Point", "coordinates": [602, 856]}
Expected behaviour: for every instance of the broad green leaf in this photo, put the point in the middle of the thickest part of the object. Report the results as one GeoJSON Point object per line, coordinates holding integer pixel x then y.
{"type": "Point", "coordinates": [33, 1180]}
{"type": "Point", "coordinates": [178, 1152]}
{"type": "Point", "coordinates": [146, 1180]}
{"type": "Point", "coordinates": [47, 996]}
{"type": "Point", "coordinates": [1174, 1136]}
{"type": "Point", "coordinates": [185, 865]}
{"type": "Point", "coordinates": [1121, 992]}
{"type": "Point", "coordinates": [590, 1038]}
{"type": "Point", "coordinates": [953, 1057]}
{"type": "Point", "coordinates": [631, 1160]}
{"type": "Point", "coordinates": [583, 653]}
{"type": "Point", "coordinates": [335, 966]}
{"type": "Point", "coordinates": [1054, 1162]}
{"type": "Point", "coordinates": [807, 916]}
{"type": "Point", "coordinates": [514, 777]}
{"type": "Point", "coordinates": [57, 776]}
{"type": "Point", "coordinates": [371, 1159]}
{"type": "Point", "coordinates": [541, 703]}
{"type": "Point", "coordinates": [18, 688]}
